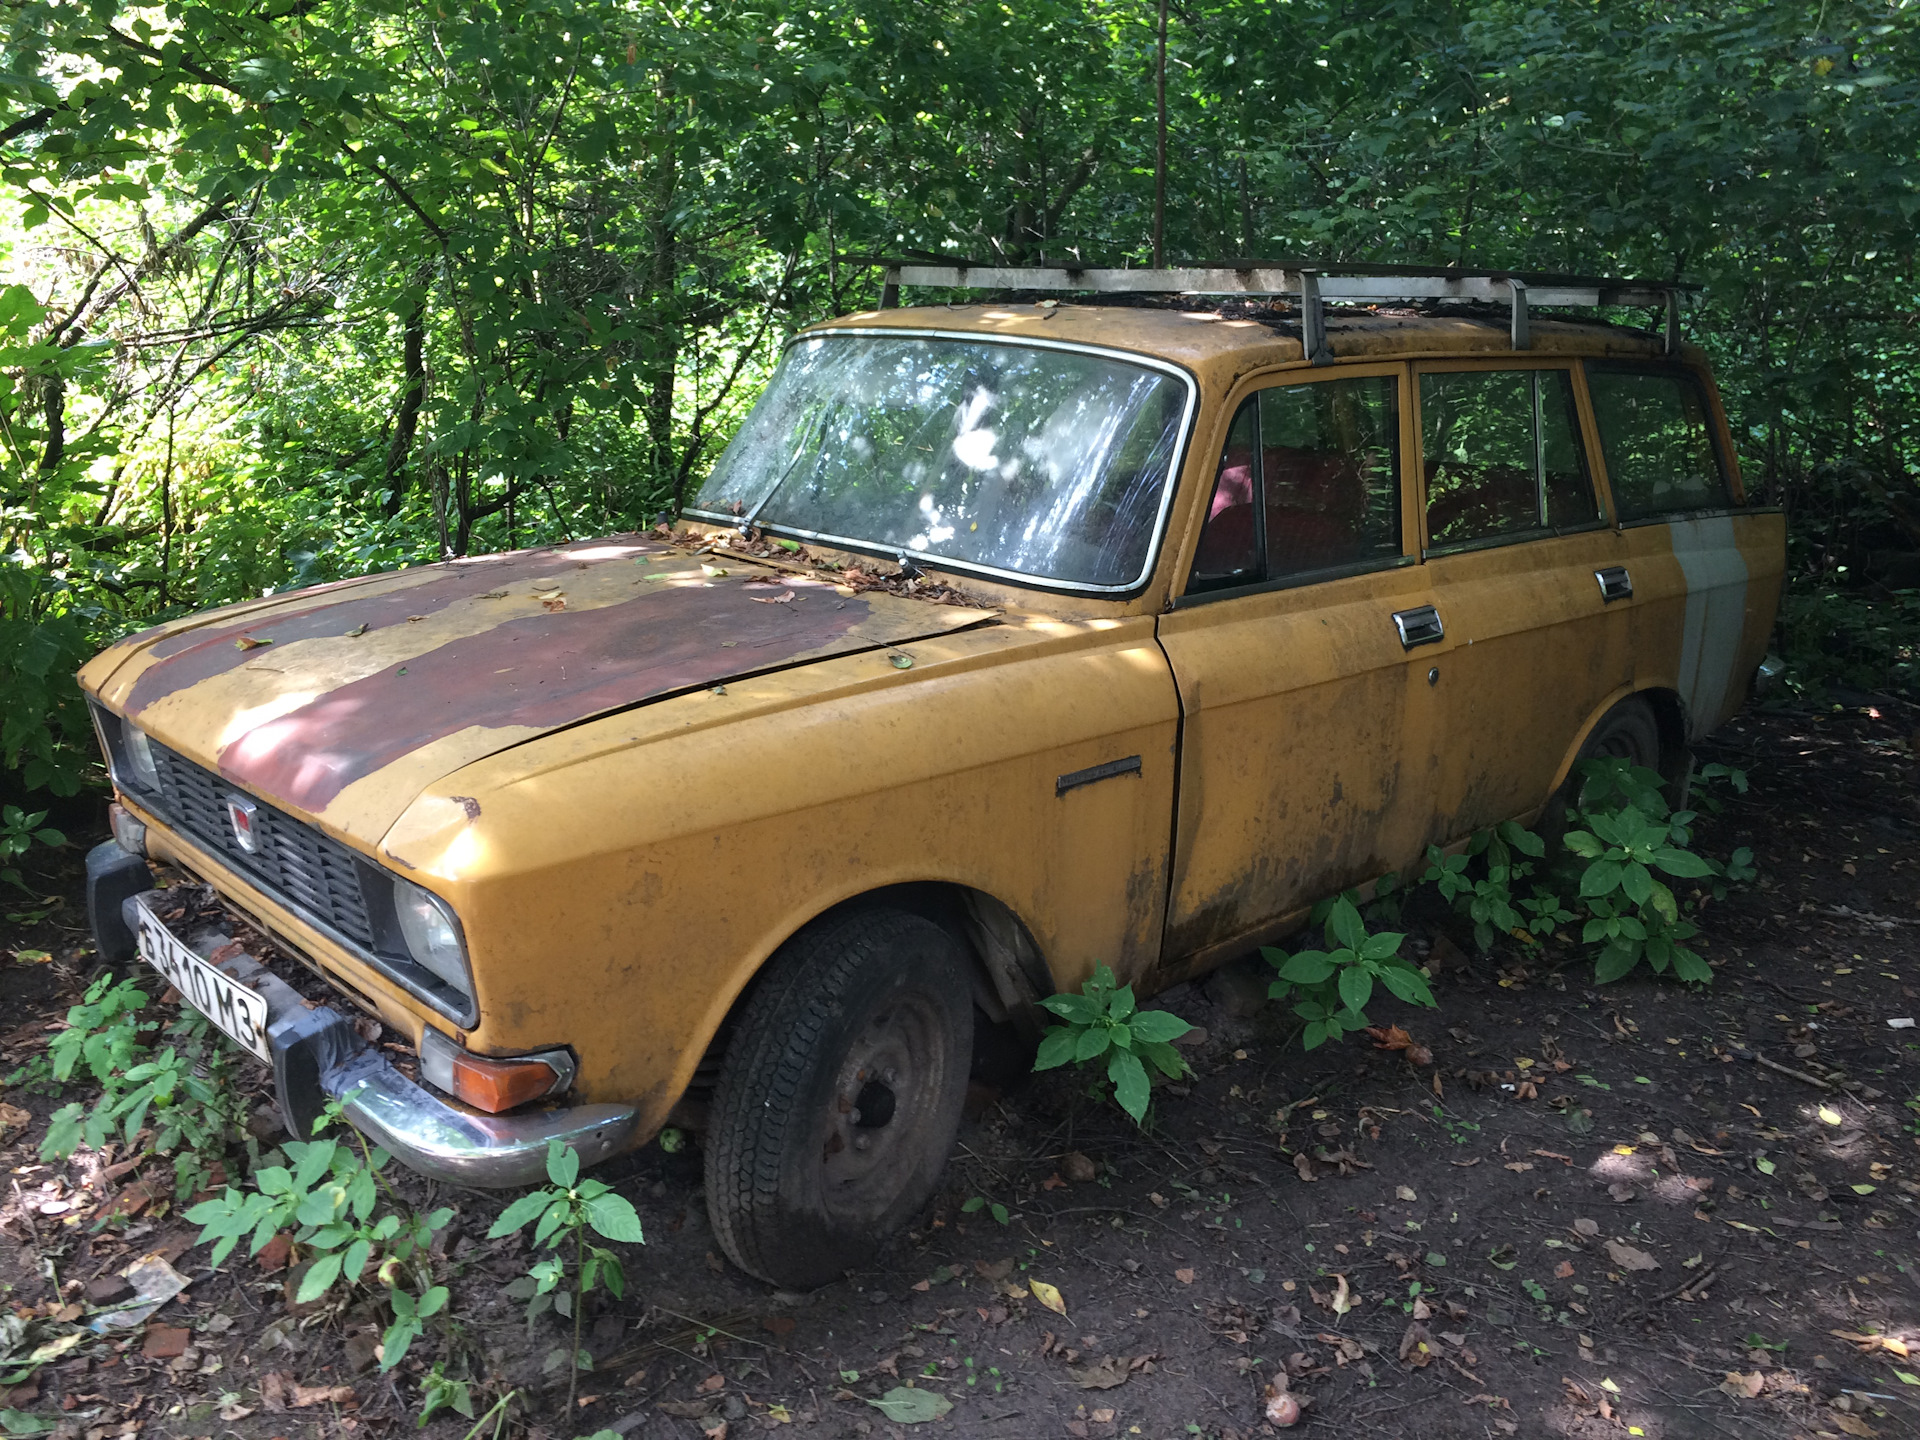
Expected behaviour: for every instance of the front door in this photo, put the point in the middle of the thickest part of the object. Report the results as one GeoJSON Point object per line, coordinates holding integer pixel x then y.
{"type": "Point", "coordinates": [1301, 647]}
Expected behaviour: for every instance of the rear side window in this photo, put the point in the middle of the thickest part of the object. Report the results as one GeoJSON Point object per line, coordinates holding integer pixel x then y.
{"type": "Point", "coordinates": [1654, 432]}
{"type": "Point", "coordinates": [1308, 482]}
{"type": "Point", "coordinates": [1502, 456]}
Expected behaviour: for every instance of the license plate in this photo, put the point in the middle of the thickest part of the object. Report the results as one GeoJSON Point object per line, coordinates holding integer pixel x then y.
{"type": "Point", "coordinates": [239, 1013]}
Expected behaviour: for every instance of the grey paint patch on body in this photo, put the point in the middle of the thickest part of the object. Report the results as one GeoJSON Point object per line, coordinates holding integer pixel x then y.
{"type": "Point", "coordinates": [1716, 615]}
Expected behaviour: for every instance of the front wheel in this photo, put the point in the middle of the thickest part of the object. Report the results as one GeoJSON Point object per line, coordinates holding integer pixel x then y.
{"type": "Point", "coordinates": [840, 1095]}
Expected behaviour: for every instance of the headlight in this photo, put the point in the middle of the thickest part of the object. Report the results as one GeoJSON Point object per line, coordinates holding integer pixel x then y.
{"type": "Point", "coordinates": [431, 934]}
{"type": "Point", "coordinates": [146, 775]}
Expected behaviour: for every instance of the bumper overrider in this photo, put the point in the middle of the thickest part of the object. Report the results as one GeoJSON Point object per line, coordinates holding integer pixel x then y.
{"type": "Point", "coordinates": [318, 1056]}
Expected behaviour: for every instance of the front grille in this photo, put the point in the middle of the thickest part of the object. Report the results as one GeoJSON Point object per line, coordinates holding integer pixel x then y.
{"type": "Point", "coordinates": [292, 861]}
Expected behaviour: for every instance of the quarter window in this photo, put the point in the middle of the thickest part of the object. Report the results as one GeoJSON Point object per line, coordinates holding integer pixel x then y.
{"type": "Point", "coordinates": [1660, 452]}
{"type": "Point", "coordinates": [1503, 456]}
{"type": "Point", "coordinates": [1308, 482]}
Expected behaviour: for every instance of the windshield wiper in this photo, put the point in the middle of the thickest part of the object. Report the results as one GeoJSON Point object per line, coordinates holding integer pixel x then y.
{"type": "Point", "coordinates": [753, 515]}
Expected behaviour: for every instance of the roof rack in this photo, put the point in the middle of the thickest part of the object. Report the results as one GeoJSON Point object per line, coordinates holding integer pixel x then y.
{"type": "Point", "coordinates": [1313, 285]}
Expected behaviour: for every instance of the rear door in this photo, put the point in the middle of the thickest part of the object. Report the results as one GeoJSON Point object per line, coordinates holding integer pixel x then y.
{"type": "Point", "coordinates": [1300, 647]}
{"type": "Point", "coordinates": [1531, 581]}
{"type": "Point", "coordinates": [1707, 570]}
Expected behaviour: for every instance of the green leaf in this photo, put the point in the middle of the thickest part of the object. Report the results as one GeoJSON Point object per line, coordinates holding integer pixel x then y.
{"type": "Point", "coordinates": [319, 1279]}
{"type": "Point", "coordinates": [563, 1164]}
{"type": "Point", "coordinates": [906, 1406]}
{"type": "Point", "coordinates": [1602, 877]}
{"type": "Point", "coordinates": [1683, 863]}
{"type": "Point", "coordinates": [1092, 1043]}
{"type": "Point", "coordinates": [1383, 946]}
{"type": "Point", "coordinates": [1157, 1026]}
{"type": "Point", "coordinates": [1056, 1048]}
{"type": "Point", "coordinates": [1614, 962]}
{"type": "Point", "coordinates": [1344, 924]}
{"type": "Point", "coordinates": [614, 1217]}
{"type": "Point", "coordinates": [1309, 967]}
{"type": "Point", "coordinates": [1356, 987]}
{"type": "Point", "coordinates": [433, 1302]}
{"type": "Point", "coordinates": [1635, 883]}
{"type": "Point", "coordinates": [356, 1259]}
{"type": "Point", "coordinates": [519, 1213]}
{"type": "Point", "coordinates": [1409, 985]}
{"type": "Point", "coordinates": [1130, 1088]}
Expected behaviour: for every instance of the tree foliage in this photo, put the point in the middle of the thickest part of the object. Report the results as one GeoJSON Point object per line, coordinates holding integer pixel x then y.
{"type": "Point", "coordinates": [311, 287]}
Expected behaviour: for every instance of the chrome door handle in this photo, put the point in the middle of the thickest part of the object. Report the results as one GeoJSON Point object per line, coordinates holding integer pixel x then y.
{"type": "Point", "coordinates": [1615, 583]}
{"type": "Point", "coordinates": [1419, 626]}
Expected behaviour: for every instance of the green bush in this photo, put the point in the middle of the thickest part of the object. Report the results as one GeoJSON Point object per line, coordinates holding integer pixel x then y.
{"type": "Point", "coordinates": [1103, 1022]}
{"type": "Point", "coordinates": [1331, 988]}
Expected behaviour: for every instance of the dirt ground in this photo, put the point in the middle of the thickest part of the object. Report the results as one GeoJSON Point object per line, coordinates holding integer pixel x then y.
{"type": "Point", "coordinates": [1598, 1213]}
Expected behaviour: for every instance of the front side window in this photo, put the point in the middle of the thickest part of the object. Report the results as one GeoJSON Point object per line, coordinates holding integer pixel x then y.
{"type": "Point", "coordinates": [1308, 482]}
{"type": "Point", "coordinates": [1023, 460]}
{"type": "Point", "coordinates": [1502, 456]}
{"type": "Point", "coordinates": [1659, 447]}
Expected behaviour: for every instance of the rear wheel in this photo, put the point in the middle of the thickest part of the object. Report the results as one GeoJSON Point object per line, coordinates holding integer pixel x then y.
{"type": "Point", "coordinates": [840, 1095]}
{"type": "Point", "coordinates": [1630, 732]}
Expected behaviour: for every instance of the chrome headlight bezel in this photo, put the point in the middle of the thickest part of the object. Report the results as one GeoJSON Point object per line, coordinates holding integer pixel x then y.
{"type": "Point", "coordinates": [429, 935]}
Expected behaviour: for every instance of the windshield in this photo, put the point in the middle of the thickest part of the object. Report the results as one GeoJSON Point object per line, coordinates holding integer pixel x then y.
{"type": "Point", "coordinates": [1052, 464]}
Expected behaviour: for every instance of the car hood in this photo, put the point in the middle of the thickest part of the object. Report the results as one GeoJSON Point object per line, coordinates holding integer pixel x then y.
{"type": "Point", "coordinates": [344, 701]}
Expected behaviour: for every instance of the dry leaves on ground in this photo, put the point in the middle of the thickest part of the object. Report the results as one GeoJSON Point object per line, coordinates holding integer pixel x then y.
{"type": "Point", "coordinates": [1628, 1257]}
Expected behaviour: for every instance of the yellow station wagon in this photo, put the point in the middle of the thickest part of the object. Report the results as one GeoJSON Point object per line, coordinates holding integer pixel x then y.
{"type": "Point", "coordinates": [1005, 639]}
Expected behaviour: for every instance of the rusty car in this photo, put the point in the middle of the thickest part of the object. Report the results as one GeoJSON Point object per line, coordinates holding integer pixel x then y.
{"type": "Point", "coordinates": [1086, 618]}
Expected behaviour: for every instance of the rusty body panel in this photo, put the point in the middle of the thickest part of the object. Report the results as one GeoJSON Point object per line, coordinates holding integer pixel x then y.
{"type": "Point", "coordinates": [633, 779]}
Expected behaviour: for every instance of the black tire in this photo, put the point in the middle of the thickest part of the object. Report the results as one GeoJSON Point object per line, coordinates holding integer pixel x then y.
{"type": "Point", "coordinates": [1629, 731]}
{"type": "Point", "coordinates": [840, 1095]}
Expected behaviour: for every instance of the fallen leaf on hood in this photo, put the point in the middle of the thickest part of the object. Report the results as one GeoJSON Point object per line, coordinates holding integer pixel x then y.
{"type": "Point", "coordinates": [1629, 1258]}
{"type": "Point", "coordinates": [1743, 1386]}
{"type": "Point", "coordinates": [1048, 1295]}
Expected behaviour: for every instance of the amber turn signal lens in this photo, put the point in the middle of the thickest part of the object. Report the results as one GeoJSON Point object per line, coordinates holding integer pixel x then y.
{"type": "Point", "coordinates": [485, 1084]}
{"type": "Point", "coordinates": [497, 1085]}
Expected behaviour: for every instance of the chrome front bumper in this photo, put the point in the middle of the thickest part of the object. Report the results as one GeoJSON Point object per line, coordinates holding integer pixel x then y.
{"type": "Point", "coordinates": [318, 1056]}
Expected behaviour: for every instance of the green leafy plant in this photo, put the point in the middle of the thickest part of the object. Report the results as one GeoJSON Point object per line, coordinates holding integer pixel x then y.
{"type": "Point", "coordinates": [439, 1391]}
{"type": "Point", "coordinates": [1104, 1023]}
{"type": "Point", "coordinates": [19, 831]}
{"type": "Point", "coordinates": [1331, 988]}
{"type": "Point", "coordinates": [179, 1094]}
{"type": "Point", "coordinates": [328, 1196]}
{"type": "Point", "coordinates": [1629, 839]}
{"type": "Point", "coordinates": [1484, 893]}
{"type": "Point", "coordinates": [562, 1217]}
{"type": "Point", "coordinates": [994, 1208]}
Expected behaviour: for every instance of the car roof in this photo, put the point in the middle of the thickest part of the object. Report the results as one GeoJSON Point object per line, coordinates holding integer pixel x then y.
{"type": "Point", "coordinates": [1254, 335]}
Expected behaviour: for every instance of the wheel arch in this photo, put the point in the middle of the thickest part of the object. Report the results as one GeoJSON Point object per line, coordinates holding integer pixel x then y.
{"type": "Point", "coordinates": [1010, 975]}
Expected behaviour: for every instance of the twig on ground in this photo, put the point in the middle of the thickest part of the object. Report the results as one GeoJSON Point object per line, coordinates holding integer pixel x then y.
{"type": "Point", "coordinates": [1778, 1068]}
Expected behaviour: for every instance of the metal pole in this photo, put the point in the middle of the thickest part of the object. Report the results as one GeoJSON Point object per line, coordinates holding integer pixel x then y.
{"type": "Point", "coordinates": [1160, 151]}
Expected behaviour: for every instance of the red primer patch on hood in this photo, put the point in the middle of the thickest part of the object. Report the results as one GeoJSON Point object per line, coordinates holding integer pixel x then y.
{"type": "Point", "coordinates": [186, 658]}
{"type": "Point", "coordinates": [558, 668]}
